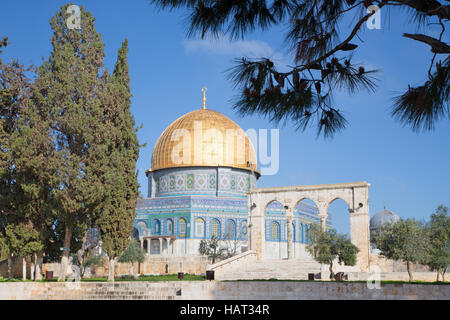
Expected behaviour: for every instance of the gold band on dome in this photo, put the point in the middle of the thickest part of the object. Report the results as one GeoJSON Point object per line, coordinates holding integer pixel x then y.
{"type": "Point", "coordinates": [242, 156]}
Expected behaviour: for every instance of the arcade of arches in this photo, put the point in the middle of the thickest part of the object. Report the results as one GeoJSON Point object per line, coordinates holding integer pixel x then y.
{"type": "Point", "coordinates": [355, 195]}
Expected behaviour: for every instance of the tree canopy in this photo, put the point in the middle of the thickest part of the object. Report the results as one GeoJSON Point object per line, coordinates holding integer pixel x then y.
{"type": "Point", "coordinates": [327, 245]}
{"type": "Point", "coordinates": [212, 248]}
{"type": "Point", "coordinates": [404, 240]}
{"type": "Point", "coordinates": [68, 148]}
{"type": "Point", "coordinates": [322, 57]}
{"type": "Point", "coordinates": [438, 230]}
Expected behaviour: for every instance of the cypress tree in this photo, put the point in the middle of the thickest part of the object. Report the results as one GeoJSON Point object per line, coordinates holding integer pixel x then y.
{"type": "Point", "coordinates": [70, 85]}
{"type": "Point", "coordinates": [117, 162]}
{"type": "Point", "coordinates": [17, 232]}
{"type": "Point", "coordinates": [36, 163]}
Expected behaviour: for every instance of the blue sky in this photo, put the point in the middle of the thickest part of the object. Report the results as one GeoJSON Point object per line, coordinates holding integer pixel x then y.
{"type": "Point", "coordinates": [408, 172]}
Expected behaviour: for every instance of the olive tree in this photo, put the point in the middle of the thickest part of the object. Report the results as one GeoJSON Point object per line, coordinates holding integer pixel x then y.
{"type": "Point", "coordinates": [404, 240]}
{"type": "Point", "coordinates": [327, 245]}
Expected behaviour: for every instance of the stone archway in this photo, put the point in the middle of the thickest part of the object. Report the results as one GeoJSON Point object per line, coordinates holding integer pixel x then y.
{"type": "Point", "coordinates": [356, 195]}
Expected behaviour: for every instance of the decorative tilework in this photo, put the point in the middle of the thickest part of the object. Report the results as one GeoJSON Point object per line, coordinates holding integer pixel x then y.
{"type": "Point", "coordinates": [200, 181]}
{"type": "Point", "coordinates": [172, 182]}
{"type": "Point", "coordinates": [233, 182]}
{"type": "Point", "coordinates": [225, 181]}
{"type": "Point", "coordinates": [180, 182]}
{"type": "Point", "coordinates": [212, 181]}
{"type": "Point", "coordinates": [190, 181]}
{"type": "Point", "coordinates": [241, 184]}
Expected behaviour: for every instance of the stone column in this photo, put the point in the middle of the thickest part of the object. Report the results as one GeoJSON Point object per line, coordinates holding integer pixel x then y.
{"type": "Point", "coordinates": [322, 208]}
{"type": "Point", "coordinates": [168, 246]}
{"type": "Point", "coordinates": [257, 231]}
{"type": "Point", "coordinates": [24, 269]}
{"type": "Point", "coordinates": [160, 245]}
{"type": "Point", "coordinates": [141, 240]}
{"type": "Point", "coordinates": [148, 246]}
{"type": "Point", "coordinates": [290, 234]}
{"type": "Point", "coordinates": [359, 236]}
{"type": "Point", "coordinates": [323, 221]}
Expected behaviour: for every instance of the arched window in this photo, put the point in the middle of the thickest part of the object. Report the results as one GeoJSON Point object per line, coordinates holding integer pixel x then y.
{"type": "Point", "coordinates": [293, 231]}
{"type": "Point", "coordinates": [307, 233]}
{"type": "Point", "coordinates": [301, 233]}
{"type": "Point", "coordinates": [215, 228]}
{"type": "Point", "coordinates": [169, 226]}
{"type": "Point", "coordinates": [244, 229]}
{"type": "Point", "coordinates": [275, 231]}
{"type": "Point", "coordinates": [230, 230]}
{"type": "Point", "coordinates": [157, 225]}
{"type": "Point", "coordinates": [182, 227]}
{"type": "Point", "coordinates": [199, 227]}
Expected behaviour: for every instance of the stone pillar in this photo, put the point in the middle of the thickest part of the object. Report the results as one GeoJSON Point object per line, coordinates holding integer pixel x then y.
{"type": "Point", "coordinates": [24, 269]}
{"type": "Point", "coordinates": [359, 236]}
{"type": "Point", "coordinates": [257, 232]}
{"type": "Point", "coordinates": [322, 207]}
{"type": "Point", "coordinates": [141, 240]}
{"type": "Point", "coordinates": [323, 221]}
{"type": "Point", "coordinates": [148, 246]}
{"type": "Point", "coordinates": [168, 246]}
{"type": "Point", "coordinates": [290, 234]}
{"type": "Point", "coordinates": [160, 245]}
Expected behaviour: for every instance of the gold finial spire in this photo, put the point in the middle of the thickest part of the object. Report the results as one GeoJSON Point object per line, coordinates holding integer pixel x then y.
{"type": "Point", "coordinates": [204, 89]}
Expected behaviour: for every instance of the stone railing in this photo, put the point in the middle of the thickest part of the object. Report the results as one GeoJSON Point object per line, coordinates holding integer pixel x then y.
{"type": "Point", "coordinates": [225, 265]}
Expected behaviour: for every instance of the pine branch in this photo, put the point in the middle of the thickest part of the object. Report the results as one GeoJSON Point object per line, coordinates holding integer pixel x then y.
{"type": "Point", "coordinates": [436, 45]}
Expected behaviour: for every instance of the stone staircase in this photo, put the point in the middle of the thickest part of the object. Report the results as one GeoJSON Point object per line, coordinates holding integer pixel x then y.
{"type": "Point", "coordinates": [248, 268]}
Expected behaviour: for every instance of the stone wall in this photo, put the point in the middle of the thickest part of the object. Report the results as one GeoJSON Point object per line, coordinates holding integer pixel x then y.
{"type": "Point", "coordinates": [387, 265]}
{"type": "Point", "coordinates": [217, 290]}
{"type": "Point", "coordinates": [152, 265]}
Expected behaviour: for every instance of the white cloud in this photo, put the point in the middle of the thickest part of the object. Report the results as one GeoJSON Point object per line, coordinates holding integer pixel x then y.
{"type": "Point", "coordinates": [222, 45]}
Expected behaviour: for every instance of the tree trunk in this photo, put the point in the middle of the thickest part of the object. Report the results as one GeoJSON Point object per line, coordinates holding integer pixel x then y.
{"type": "Point", "coordinates": [408, 267]}
{"type": "Point", "coordinates": [331, 271]}
{"type": "Point", "coordinates": [65, 257]}
{"type": "Point", "coordinates": [443, 275]}
{"type": "Point", "coordinates": [111, 269]}
{"type": "Point", "coordinates": [437, 276]}
{"type": "Point", "coordinates": [24, 268]}
{"type": "Point", "coordinates": [10, 266]}
{"type": "Point", "coordinates": [38, 270]}
{"type": "Point", "coordinates": [33, 264]}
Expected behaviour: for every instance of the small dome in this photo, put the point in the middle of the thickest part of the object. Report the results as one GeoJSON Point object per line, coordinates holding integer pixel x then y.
{"type": "Point", "coordinates": [381, 218]}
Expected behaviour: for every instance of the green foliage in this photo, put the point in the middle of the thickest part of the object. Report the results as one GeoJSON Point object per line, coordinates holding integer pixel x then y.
{"type": "Point", "coordinates": [23, 187]}
{"type": "Point", "coordinates": [67, 100]}
{"type": "Point", "coordinates": [68, 146]}
{"type": "Point", "coordinates": [212, 249]}
{"type": "Point", "coordinates": [322, 49]}
{"type": "Point", "coordinates": [326, 246]}
{"type": "Point", "coordinates": [22, 240]}
{"type": "Point", "coordinates": [117, 150]}
{"type": "Point", "coordinates": [93, 260]}
{"type": "Point", "coordinates": [404, 240]}
{"type": "Point", "coordinates": [438, 230]}
{"type": "Point", "coordinates": [133, 253]}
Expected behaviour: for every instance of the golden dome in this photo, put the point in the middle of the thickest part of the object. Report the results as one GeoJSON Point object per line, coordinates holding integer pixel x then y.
{"type": "Point", "coordinates": [204, 137]}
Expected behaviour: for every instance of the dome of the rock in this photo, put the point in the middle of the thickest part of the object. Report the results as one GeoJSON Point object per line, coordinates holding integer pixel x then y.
{"type": "Point", "coordinates": [204, 138]}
